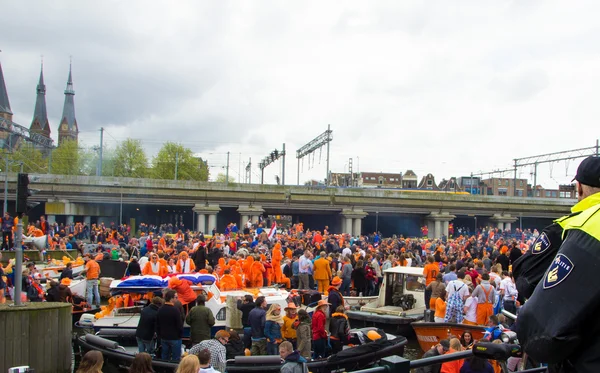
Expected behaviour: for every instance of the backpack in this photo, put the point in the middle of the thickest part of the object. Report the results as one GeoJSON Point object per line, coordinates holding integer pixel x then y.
{"type": "Point", "coordinates": [454, 307]}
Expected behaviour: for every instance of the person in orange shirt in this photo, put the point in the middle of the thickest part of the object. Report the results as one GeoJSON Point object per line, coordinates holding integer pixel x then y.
{"type": "Point", "coordinates": [185, 264]}
{"type": "Point", "coordinates": [92, 274]}
{"type": "Point", "coordinates": [256, 274]}
{"type": "Point", "coordinates": [430, 272]}
{"type": "Point", "coordinates": [154, 267]}
{"type": "Point", "coordinates": [227, 282]}
{"type": "Point", "coordinates": [185, 293]}
{"type": "Point", "coordinates": [440, 307]}
{"type": "Point", "coordinates": [322, 272]}
{"type": "Point", "coordinates": [276, 257]}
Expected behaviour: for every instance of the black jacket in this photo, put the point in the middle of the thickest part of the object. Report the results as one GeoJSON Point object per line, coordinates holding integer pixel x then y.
{"type": "Point", "coordinates": [234, 348]}
{"type": "Point", "coordinates": [134, 268]}
{"type": "Point", "coordinates": [335, 299]}
{"type": "Point", "coordinates": [559, 323]}
{"type": "Point", "coordinates": [529, 269]}
{"type": "Point", "coordinates": [245, 308]}
{"type": "Point", "coordinates": [66, 273]}
{"type": "Point", "coordinates": [339, 327]}
{"type": "Point", "coordinates": [169, 324]}
{"type": "Point", "coordinates": [147, 324]}
{"type": "Point", "coordinates": [434, 368]}
{"type": "Point", "coordinates": [199, 258]}
{"type": "Point", "coordinates": [257, 319]}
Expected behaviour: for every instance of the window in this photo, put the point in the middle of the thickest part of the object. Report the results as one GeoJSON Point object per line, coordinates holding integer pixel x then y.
{"type": "Point", "coordinates": [562, 195]}
{"type": "Point", "coordinates": [537, 193]}
{"type": "Point", "coordinates": [519, 192]}
{"type": "Point", "coordinates": [521, 183]}
{"type": "Point", "coordinates": [506, 183]}
{"type": "Point", "coordinates": [429, 182]}
{"type": "Point", "coordinates": [502, 191]}
{"type": "Point", "coordinates": [548, 193]}
{"type": "Point", "coordinates": [554, 194]}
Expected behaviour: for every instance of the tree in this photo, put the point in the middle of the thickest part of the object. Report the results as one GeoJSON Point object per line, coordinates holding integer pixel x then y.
{"type": "Point", "coordinates": [174, 156]}
{"type": "Point", "coordinates": [221, 178]}
{"type": "Point", "coordinates": [32, 159]}
{"type": "Point", "coordinates": [69, 159]}
{"type": "Point", "coordinates": [130, 160]}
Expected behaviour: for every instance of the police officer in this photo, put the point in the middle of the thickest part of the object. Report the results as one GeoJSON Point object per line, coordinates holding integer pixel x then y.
{"type": "Point", "coordinates": [559, 323]}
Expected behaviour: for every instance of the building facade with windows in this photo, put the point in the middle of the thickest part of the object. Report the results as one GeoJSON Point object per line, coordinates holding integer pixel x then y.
{"type": "Point", "coordinates": [500, 186]}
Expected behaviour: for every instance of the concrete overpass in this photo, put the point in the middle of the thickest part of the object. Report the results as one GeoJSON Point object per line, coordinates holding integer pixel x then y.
{"type": "Point", "coordinates": [91, 196]}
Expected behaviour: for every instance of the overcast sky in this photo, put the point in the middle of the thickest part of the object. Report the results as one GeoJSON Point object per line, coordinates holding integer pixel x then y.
{"type": "Point", "coordinates": [442, 87]}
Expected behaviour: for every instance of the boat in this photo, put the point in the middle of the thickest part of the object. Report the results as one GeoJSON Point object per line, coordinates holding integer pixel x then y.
{"type": "Point", "coordinates": [128, 317]}
{"type": "Point", "coordinates": [430, 334]}
{"type": "Point", "coordinates": [401, 301]}
{"type": "Point", "coordinates": [54, 270]}
{"type": "Point", "coordinates": [119, 349]}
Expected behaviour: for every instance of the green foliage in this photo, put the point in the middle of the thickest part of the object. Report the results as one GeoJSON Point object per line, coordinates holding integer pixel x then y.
{"type": "Point", "coordinates": [69, 159]}
{"type": "Point", "coordinates": [174, 156]}
{"type": "Point", "coordinates": [32, 159]}
{"type": "Point", "coordinates": [130, 160]}
{"type": "Point", "coordinates": [221, 178]}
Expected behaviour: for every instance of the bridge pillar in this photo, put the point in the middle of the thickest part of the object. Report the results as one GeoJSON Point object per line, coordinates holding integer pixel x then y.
{"type": "Point", "coordinates": [51, 219]}
{"type": "Point", "coordinates": [439, 221]}
{"type": "Point", "coordinates": [70, 219]}
{"type": "Point", "coordinates": [503, 221]}
{"type": "Point", "coordinates": [206, 212]}
{"type": "Point", "coordinates": [249, 212]}
{"type": "Point", "coordinates": [353, 221]}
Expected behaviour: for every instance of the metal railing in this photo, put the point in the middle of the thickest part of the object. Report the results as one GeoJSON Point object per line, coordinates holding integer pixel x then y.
{"type": "Point", "coordinates": [397, 364]}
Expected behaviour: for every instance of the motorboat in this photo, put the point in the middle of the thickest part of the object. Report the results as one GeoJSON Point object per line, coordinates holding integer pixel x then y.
{"type": "Point", "coordinates": [119, 349]}
{"type": "Point", "coordinates": [430, 334]}
{"type": "Point", "coordinates": [400, 302]}
{"type": "Point", "coordinates": [223, 304]}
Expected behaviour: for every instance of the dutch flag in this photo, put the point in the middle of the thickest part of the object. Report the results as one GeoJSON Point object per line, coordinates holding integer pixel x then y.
{"type": "Point", "coordinates": [273, 231]}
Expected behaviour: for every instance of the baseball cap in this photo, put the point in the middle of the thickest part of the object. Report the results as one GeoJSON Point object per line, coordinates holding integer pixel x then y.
{"type": "Point", "coordinates": [588, 172]}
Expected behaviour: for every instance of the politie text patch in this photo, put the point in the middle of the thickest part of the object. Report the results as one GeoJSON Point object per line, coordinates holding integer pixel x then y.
{"type": "Point", "coordinates": [541, 244]}
{"type": "Point", "coordinates": [560, 268]}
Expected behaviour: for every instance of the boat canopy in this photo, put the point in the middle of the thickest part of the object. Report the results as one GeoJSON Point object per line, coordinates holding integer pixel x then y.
{"type": "Point", "coordinates": [412, 271]}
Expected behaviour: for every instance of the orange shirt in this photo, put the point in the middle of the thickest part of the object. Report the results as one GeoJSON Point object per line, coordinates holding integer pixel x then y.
{"type": "Point", "coordinates": [440, 307]}
{"type": "Point", "coordinates": [430, 271]}
{"type": "Point", "coordinates": [92, 270]}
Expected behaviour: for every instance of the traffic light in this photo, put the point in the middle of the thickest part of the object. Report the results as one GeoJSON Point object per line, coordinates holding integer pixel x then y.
{"type": "Point", "coordinates": [22, 193]}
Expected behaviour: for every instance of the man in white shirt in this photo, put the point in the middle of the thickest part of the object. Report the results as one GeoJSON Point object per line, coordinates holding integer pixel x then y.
{"type": "Point", "coordinates": [458, 286]}
{"type": "Point", "coordinates": [346, 252]}
{"type": "Point", "coordinates": [305, 269]}
{"type": "Point", "coordinates": [509, 293]}
{"type": "Point", "coordinates": [470, 311]}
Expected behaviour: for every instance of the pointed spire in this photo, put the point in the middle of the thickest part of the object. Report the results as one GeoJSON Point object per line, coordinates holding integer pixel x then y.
{"type": "Point", "coordinates": [40, 123]}
{"type": "Point", "coordinates": [68, 125]}
{"type": "Point", "coordinates": [4, 103]}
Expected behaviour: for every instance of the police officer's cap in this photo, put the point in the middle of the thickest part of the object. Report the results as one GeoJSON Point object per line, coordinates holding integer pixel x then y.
{"type": "Point", "coordinates": [588, 172]}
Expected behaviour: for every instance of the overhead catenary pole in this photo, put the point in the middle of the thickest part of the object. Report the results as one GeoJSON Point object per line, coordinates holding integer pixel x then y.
{"type": "Point", "coordinates": [283, 166]}
{"type": "Point", "coordinates": [317, 143]}
{"type": "Point", "coordinates": [176, 164]}
{"type": "Point", "coordinates": [227, 171]}
{"type": "Point", "coordinates": [99, 169]}
{"type": "Point", "coordinates": [298, 178]}
{"type": "Point", "coordinates": [515, 180]}
{"type": "Point", "coordinates": [328, 142]}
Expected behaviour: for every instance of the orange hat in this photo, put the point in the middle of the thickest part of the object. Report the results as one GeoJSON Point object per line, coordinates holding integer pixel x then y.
{"type": "Point", "coordinates": [65, 281]}
{"type": "Point", "coordinates": [323, 302]}
{"type": "Point", "coordinates": [373, 335]}
{"type": "Point", "coordinates": [291, 306]}
{"type": "Point", "coordinates": [336, 281]}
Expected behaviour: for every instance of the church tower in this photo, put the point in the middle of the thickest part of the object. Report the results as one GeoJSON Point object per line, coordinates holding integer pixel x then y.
{"type": "Point", "coordinates": [68, 129]}
{"type": "Point", "coordinates": [5, 111]}
{"type": "Point", "coordinates": [40, 124]}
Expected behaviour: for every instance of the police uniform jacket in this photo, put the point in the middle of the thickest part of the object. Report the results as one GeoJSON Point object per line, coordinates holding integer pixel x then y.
{"type": "Point", "coordinates": [559, 323]}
